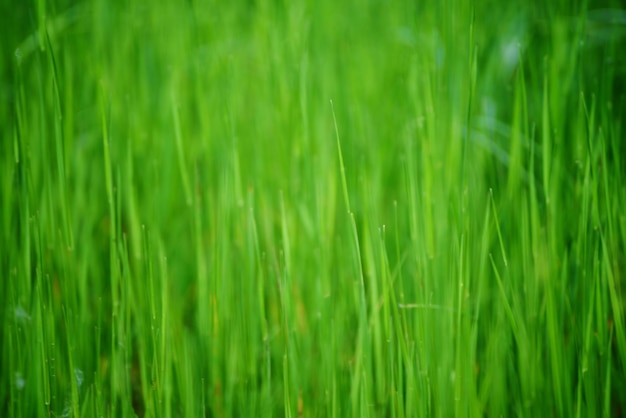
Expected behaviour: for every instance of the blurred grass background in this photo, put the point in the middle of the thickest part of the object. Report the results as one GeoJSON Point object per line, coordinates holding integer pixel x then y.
{"type": "Point", "coordinates": [180, 236]}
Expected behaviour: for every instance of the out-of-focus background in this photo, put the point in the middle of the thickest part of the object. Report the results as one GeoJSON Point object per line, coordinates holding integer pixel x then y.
{"type": "Point", "coordinates": [312, 208]}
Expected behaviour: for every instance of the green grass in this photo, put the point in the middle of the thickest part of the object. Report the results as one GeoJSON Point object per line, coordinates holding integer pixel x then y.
{"type": "Point", "coordinates": [312, 208]}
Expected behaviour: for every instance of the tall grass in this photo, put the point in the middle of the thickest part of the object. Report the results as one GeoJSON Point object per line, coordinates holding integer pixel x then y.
{"type": "Point", "coordinates": [312, 209]}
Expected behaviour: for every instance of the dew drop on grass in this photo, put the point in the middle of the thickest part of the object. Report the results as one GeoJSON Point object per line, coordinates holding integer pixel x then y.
{"type": "Point", "coordinates": [21, 314]}
{"type": "Point", "coordinates": [67, 411]}
{"type": "Point", "coordinates": [20, 382]}
{"type": "Point", "coordinates": [78, 374]}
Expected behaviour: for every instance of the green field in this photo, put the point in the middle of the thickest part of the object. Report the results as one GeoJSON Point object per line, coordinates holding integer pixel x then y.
{"type": "Point", "coordinates": [312, 208]}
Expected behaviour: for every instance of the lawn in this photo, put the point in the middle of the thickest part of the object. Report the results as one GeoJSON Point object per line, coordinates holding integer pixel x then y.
{"type": "Point", "coordinates": [312, 208]}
